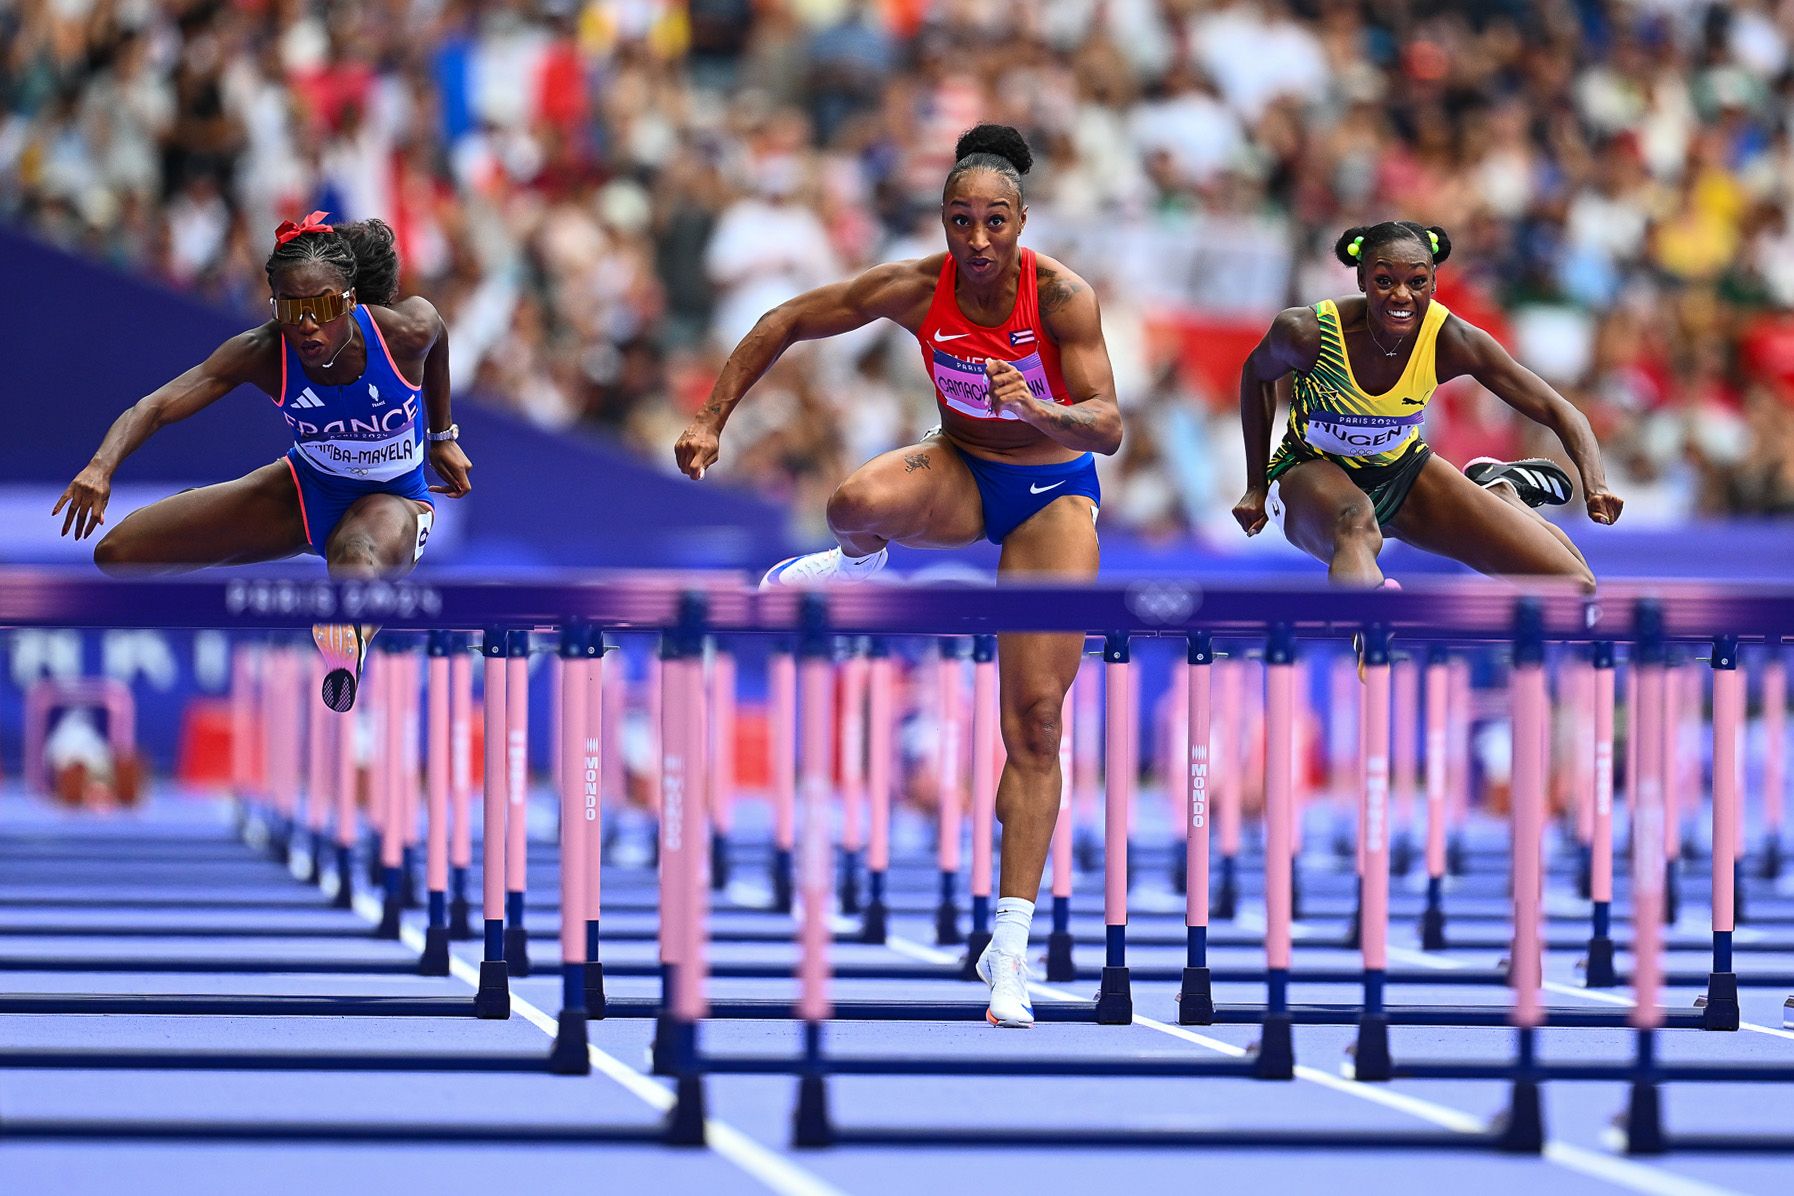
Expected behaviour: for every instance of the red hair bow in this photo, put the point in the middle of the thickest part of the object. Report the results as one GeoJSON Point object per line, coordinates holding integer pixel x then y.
{"type": "Point", "coordinates": [313, 223]}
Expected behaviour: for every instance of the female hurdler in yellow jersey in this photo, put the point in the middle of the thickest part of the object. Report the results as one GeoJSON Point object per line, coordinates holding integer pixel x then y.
{"type": "Point", "coordinates": [1352, 467]}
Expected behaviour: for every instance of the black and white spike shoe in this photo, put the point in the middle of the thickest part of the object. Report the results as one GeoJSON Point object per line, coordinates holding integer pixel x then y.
{"type": "Point", "coordinates": [1539, 483]}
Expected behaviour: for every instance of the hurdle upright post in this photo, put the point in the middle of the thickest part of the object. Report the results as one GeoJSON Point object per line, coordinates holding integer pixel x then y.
{"type": "Point", "coordinates": [949, 798]}
{"type": "Point", "coordinates": [1229, 790]}
{"type": "Point", "coordinates": [435, 958]}
{"type": "Point", "coordinates": [460, 718]}
{"type": "Point", "coordinates": [317, 783]}
{"type": "Point", "coordinates": [1721, 1011]}
{"type": "Point", "coordinates": [1403, 762]}
{"type": "Point", "coordinates": [684, 850]}
{"type": "Point", "coordinates": [570, 1054]}
{"type": "Point", "coordinates": [1598, 971]}
{"type": "Point", "coordinates": [387, 772]}
{"type": "Point", "coordinates": [1523, 1130]}
{"type": "Point", "coordinates": [810, 1122]}
{"type": "Point", "coordinates": [1370, 1053]}
{"type": "Point", "coordinates": [985, 733]}
{"type": "Point", "coordinates": [852, 721]}
{"type": "Point", "coordinates": [781, 740]}
{"type": "Point", "coordinates": [1060, 967]}
{"type": "Point", "coordinates": [1644, 1116]}
{"type": "Point", "coordinates": [880, 740]}
{"type": "Point", "coordinates": [722, 762]}
{"type": "Point", "coordinates": [1114, 999]}
{"type": "Point", "coordinates": [592, 741]}
{"type": "Point", "coordinates": [346, 829]}
{"type": "Point", "coordinates": [493, 997]}
{"type": "Point", "coordinates": [1195, 995]}
{"type": "Point", "coordinates": [516, 780]}
{"type": "Point", "coordinates": [1775, 731]}
{"type": "Point", "coordinates": [1276, 1049]}
{"type": "Point", "coordinates": [1438, 777]}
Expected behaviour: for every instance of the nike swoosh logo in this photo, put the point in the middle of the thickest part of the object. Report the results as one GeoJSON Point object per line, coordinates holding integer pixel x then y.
{"type": "Point", "coordinates": [954, 337]}
{"type": "Point", "coordinates": [1044, 489]}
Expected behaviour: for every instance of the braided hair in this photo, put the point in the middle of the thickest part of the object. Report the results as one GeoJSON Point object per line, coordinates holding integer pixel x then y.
{"type": "Point", "coordinates": [998, 148]}
{"type": "Point", "coordinates": [363, 252]}
{"type": "Point", "coordinates": [1359, 243]}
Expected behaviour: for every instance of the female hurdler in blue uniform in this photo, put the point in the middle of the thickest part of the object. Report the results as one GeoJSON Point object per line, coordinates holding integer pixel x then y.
{"type": "Point", "coordinates": [362, 378]}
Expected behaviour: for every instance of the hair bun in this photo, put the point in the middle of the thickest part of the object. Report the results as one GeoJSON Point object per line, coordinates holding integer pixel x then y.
{"type": "Point", "coordinates": [1001, 141]}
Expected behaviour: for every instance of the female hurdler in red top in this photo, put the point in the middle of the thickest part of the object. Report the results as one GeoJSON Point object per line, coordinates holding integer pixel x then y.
{"type": "Point", "coordinates": [1014, 344]}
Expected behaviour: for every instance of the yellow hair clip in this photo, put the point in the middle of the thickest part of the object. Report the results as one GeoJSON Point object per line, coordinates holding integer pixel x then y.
{"type": "Point", "coordinates": [1434, 238]}
{"type": "Point", "coordinates": [1357, 245]}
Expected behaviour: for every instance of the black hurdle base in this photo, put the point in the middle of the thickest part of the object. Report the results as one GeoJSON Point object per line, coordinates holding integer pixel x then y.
{"type": "Point", "coordinates": [1060, 967]}
{"type": "Point", "coordinates": [1274, 1058]}
{"type": "Point", "coordinates": [685, 1121]}
{"type": "Point", "coordinates": [976, 942]}
{"type": "Point", "coordinates": [1195, 998]}
{"type": "Point", "coordinates": [570, 1055]}
{"type": "Point", "coordinates": [875, 921]}
{"type": "Point", "coordinates": [345, 879]}
{"type": "Point", "coordinates": [1432, 929]}
{"type": "Point", "coordinates": [492, 1000]}
{"type": "Point", "coordinates": [1115, 999]}
{"type": "Point", "coordinates": [435, 959]}
{"type": "Point", "coordinates": [1370, 1053]}
{"type": "Point", "coordinates": [1521, 1130]}
{"type": "Point", "coordinates": [1642, 1122]}
{"type": "Point", "coordinates": [810, 1124]}
{"type": "Point", "coordinates": [1598, 966]}
{"type": "Point", "coordinates": [516, 949]}
{"type": "Point", "coordinates": [1719, 1008]}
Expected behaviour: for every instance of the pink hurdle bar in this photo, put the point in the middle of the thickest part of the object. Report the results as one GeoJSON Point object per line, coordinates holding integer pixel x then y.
{"type": "Point", "coordinates": [1721, 1011]}
{"type": "Point", "coordinates": [678, 788]}
{"type": "Point", "coordinates": [1114, 1002]}
{"type": "Point", "coordinates": [1086, 753]}
{"type": "Point", "coordinates": [1195, 999]}
{"type": "Point", "coordinates": [1647, 848]}
{"type": "Point", "coordinates": [569, 1055]}
{"type": "Point", "coordinates": [815, 722]}
{"type": "Point", "coordinates": [1599, 969]}
{"type": "Point", "coordinates": [1775, 743]}
{"type": "Point", "coordinates": [692, 823]}
{"type": "Point", "coordinates": [985, 736]}
{"type": "Point", "coordinates": [781, 741]}
{"type": "Point", "coordinates": [1457, 794]}
{"type": "Point", "coordinates": [318, 775]}
{"type": "Point", "coordinates": [493, 999]}
{"type": "Point", "coordinates": [388, 798]}
{"type": "Point", "coordinates": [881, 683]}
{"type": "Point", "coordinates": [1526, 968]}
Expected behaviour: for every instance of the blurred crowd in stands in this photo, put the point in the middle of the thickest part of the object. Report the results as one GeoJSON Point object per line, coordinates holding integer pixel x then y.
{"type": "Point", "coordinates": [602, 196]}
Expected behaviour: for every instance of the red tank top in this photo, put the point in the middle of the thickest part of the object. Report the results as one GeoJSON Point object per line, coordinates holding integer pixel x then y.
{"type": "Point", "coordinates": [954, 348]}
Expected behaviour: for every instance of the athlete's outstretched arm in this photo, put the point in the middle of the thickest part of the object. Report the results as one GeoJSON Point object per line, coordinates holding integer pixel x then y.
{"type": "Point", "coordinates": [1291, 343]}
{"type": "Point", "coordinates": [446, 456]}
{"type": "Point", "coordinates": [230, 365]}
{"type": "Point", "coordinates": [884, 291]}
{"type": "Point", "coordinates": [1466, 349]}
{"type": "Point", "coordinates": [1092, 421]}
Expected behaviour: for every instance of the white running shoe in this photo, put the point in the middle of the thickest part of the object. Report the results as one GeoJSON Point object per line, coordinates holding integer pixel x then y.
{"type": "Point", "coordinates": [1007, 974]}
{"type": "Point", "coordinates": [823, 568]}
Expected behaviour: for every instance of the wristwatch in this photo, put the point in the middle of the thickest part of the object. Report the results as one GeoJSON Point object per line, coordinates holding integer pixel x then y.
{"type": "Point", "coordinates": [452, 432]}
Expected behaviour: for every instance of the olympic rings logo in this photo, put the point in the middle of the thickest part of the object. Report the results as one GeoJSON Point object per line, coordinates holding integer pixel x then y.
{"type": "Point", "coordinates": [1162, 602]}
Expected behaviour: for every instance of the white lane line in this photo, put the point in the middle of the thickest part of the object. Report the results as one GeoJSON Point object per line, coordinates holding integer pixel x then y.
{"type": "Point", "coordinates": [768, 1166]}
{"type": "Point", "coordinates": [1620, 1172]}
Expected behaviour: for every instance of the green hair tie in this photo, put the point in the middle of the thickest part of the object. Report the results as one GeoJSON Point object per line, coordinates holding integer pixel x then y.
{"type": "Point", "coordinates": [1434, 238]}
{"type": "Point", "coordinates": [1357, 245]}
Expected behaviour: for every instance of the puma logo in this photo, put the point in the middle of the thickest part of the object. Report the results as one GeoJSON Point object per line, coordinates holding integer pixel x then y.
{"type": "Point", "coordinates": [1414, 402]}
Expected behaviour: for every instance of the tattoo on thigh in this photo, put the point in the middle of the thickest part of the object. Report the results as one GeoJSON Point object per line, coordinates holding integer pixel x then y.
{"type": "Point", "coordinates": [915, 461]}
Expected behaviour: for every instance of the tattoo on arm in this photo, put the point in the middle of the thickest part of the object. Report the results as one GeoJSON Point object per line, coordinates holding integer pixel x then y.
{"type": "Point", "coordinates": [915, 461]}
{"type": "Point", "coordinates": [1056, 291]}
{"type": "Point", "coordinates": [1074, 418]}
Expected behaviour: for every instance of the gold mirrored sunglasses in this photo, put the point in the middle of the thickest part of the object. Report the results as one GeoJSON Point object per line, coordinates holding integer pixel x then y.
{"type": "Point", "coordinates": [322, 308]}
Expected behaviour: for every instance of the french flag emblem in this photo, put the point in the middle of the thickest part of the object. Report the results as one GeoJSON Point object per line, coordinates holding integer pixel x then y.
{"type": "Point", "coordinates": [1024, 336]}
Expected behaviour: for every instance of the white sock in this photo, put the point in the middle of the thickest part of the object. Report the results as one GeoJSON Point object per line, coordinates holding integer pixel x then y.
{"type": "Point", "coordinates": [862, 563]}
{"type": "Point", "coordinates": [1010, 930]}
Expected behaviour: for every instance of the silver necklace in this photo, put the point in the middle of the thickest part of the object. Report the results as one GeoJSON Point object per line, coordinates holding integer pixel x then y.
{"type": "Point", "coordinates": [351, 341]}
{"type": "Point", "coordinates": [1370, 328]}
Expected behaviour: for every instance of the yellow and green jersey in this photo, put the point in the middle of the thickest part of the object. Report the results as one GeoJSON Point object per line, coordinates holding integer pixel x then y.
{"type": "Point", "coordinates": [1333, 417]}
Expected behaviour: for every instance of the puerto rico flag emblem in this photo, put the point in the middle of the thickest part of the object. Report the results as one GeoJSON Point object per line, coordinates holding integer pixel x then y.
{"type": "Point", "coordinates": [1023, 337]}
